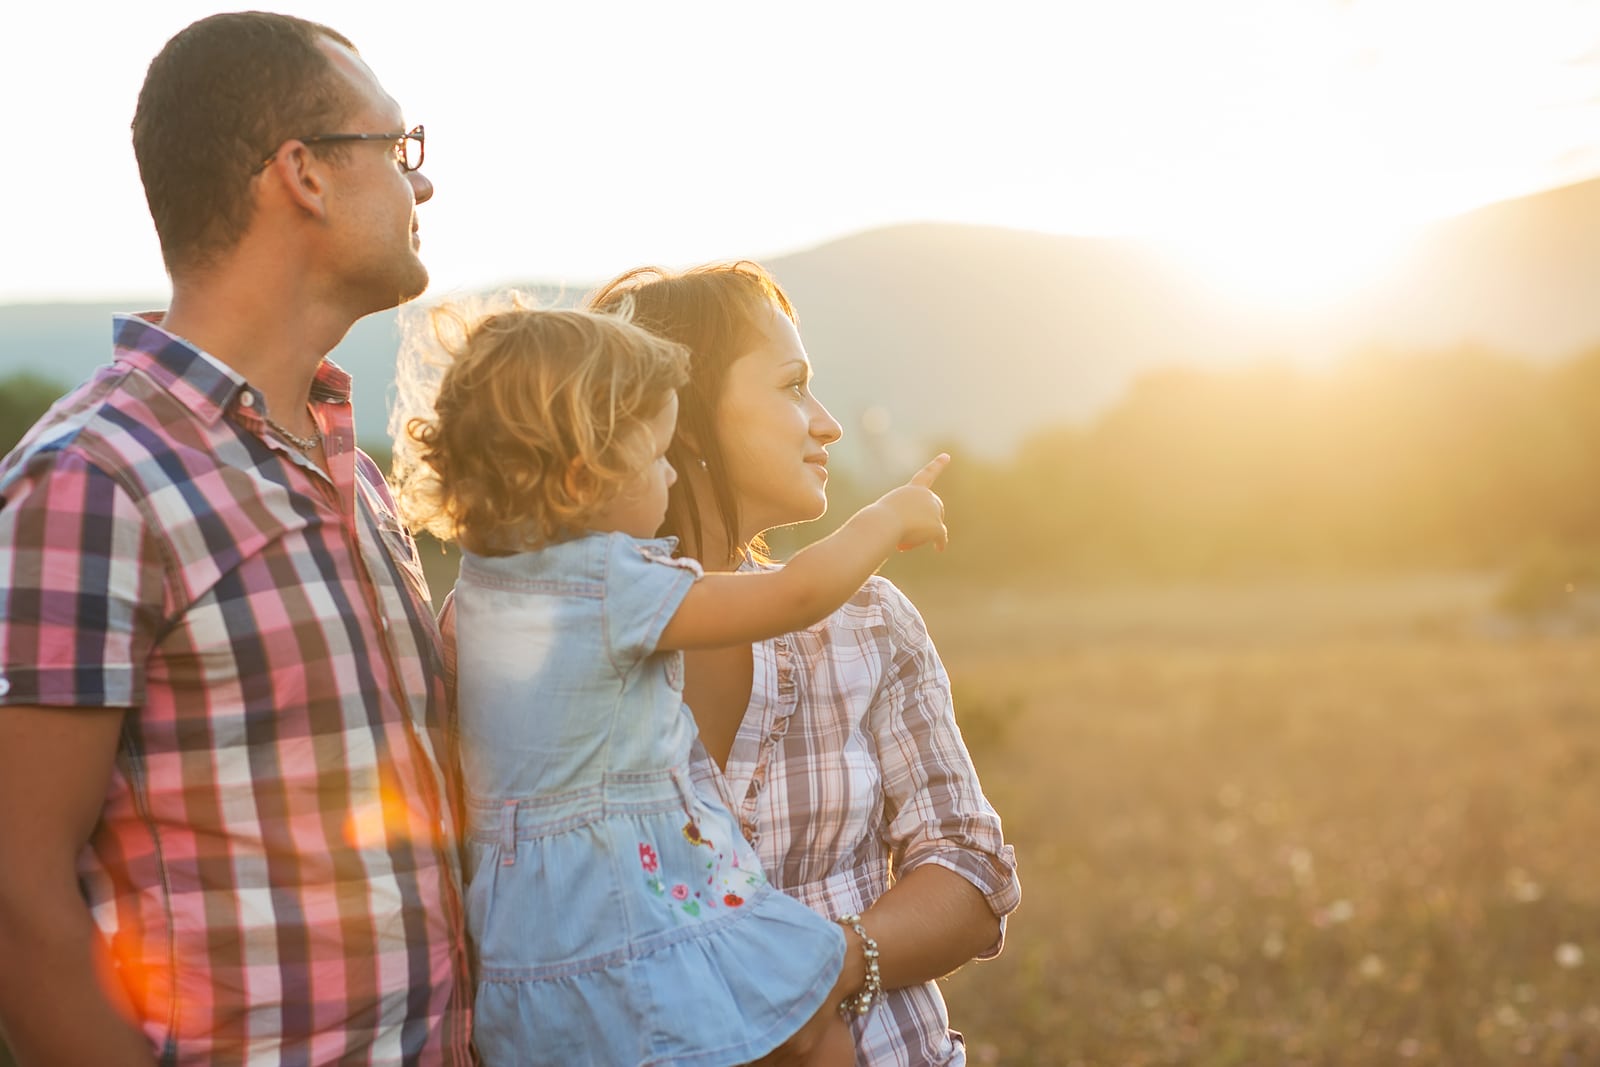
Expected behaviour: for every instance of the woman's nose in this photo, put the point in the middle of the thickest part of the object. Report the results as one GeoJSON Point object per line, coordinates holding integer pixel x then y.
{"type": "Point", "coordinates": [824, 427]}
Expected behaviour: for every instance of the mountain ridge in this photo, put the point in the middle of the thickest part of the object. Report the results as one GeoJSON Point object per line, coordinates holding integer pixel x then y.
{"type": "Point", "coordinates": [980, 335]}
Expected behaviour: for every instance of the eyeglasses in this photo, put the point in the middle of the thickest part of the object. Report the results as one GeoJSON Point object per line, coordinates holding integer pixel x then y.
{"type": "Point", "coordinates": [408, 146]}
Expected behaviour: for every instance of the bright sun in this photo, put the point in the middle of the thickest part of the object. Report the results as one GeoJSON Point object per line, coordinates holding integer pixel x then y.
{"type": "Point", "coordinates": [1289, 166]}
{"type": "Point", "coordinates": [1293, 264]}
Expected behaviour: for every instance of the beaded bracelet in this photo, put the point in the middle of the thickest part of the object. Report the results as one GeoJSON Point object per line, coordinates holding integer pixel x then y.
{"type": "Point", "coordinates": [861, 1002]}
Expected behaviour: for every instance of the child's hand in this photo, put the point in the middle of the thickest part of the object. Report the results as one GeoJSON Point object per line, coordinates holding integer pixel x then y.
{"type": "Point", "coordinates": [918, 508]}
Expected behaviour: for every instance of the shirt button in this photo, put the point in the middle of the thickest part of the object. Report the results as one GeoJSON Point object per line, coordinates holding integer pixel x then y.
{"type": "Point", "coordinates": [5, 685]}
{"type": "Point", "coordinates": [247, 400]}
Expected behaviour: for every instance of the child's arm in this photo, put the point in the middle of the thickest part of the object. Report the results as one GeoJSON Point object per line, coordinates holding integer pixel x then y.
{"type": "Point", "coordinates": [729, 609]}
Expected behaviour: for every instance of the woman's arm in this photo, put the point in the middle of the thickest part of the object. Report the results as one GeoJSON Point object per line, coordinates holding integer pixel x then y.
{"type": "Point", "coordinates": [940, 828]}
{"type": "Point", "coordinates": [730, 609]}
{"type": "Point", "coordinates": [929, 923]}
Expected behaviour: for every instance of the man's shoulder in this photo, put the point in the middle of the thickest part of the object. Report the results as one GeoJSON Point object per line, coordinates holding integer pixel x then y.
{"type": "Point", "coordinates": [115, 421]}
{"type": "Point", "coordinates": [82, 417]}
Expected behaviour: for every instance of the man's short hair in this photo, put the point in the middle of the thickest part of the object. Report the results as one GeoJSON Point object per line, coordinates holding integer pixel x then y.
{"type": "Point", "coordinates": [217, 100]}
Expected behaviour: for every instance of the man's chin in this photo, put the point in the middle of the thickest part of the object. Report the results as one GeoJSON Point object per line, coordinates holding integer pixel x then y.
{"type": "Point", "coordinates": [418, 286]}
{"type": "Point", "coordinates": [412, 286]}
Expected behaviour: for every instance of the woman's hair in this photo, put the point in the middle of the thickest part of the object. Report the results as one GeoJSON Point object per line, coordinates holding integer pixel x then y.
{"type": "Point", "coordinates": [719, 312]}
{"type": "Point", "coordinates": [529, 424]}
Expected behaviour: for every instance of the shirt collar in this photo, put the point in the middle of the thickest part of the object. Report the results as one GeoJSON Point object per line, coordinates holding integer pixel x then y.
{"type": "Point", "coordinates": [200, 381]}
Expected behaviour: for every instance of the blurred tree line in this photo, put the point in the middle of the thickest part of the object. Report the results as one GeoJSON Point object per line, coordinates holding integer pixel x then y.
{"type": "Point", "coordinates": [1383, 461]}
{"type": "Point", "coordinates": [23, 398]}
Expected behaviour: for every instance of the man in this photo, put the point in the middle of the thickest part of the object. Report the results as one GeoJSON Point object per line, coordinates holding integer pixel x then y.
{"type": "Point", "coordinates": [225, 832]}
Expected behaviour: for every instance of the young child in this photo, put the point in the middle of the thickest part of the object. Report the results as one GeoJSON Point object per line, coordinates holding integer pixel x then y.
{"type": "Point", "coordinates": [618, 917]}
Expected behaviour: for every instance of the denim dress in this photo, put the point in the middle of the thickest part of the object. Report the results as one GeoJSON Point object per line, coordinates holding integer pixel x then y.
{"type": "Point", "coordinates": [618, 916]}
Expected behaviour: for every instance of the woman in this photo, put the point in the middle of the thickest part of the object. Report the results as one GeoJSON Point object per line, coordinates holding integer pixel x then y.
{"type": "Point", "coordinates": [837, 746]}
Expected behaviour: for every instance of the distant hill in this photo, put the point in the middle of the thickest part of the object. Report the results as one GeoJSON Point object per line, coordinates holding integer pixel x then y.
{"type": "Point", "coordinates": [986, 334]}
{"type": "Point", "coordinates": [980, 335]}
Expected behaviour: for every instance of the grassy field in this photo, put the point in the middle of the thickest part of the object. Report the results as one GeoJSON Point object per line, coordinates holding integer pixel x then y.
{"type": "Point", "coordinates": [1290, 825]}
{"type": "Point", "coordinates": [1349, 823]}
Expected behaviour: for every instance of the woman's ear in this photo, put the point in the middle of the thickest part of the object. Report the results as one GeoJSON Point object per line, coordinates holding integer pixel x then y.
{"type": "Point", "coordinates": [691, 449]}
{"type": "Point", "coordinates": [695, 460]}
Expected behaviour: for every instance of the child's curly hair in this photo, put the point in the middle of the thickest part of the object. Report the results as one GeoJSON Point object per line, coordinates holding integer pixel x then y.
{"type": "Point", "coordinates": [538, 421]}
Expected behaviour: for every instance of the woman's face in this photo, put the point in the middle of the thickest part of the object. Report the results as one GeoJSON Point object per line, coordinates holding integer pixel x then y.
{"type": "Point", "coordinates": [774, 434]}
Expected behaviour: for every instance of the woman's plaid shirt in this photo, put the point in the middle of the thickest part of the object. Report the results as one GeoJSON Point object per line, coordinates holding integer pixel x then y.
{"type": "Point", "coordinates": [848, 772]}
{"type": "Point", "coordinates": [274, 869]}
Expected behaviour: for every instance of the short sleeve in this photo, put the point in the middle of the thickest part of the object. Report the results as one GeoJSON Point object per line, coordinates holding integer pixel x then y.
{"type": "Point", "coordinates": [447, 638]}
{"type": "Point", "coordinates": [933, 802]}
{"type": "Point", "coordinates": [82, 591]}
{"type": "Point", "coordinates": [644, 588]}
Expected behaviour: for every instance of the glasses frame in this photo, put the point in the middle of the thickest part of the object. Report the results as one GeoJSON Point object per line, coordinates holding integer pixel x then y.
{"type": "Point", "coordinates": [399, 138]}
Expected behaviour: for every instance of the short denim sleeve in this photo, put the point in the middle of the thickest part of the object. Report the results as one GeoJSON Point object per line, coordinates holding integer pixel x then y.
{"type": "Point", "coordinates": [644, 587]}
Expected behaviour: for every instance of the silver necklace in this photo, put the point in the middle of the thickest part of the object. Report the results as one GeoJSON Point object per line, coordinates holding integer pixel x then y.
{"type": "Point", "coordinates": [304, 444]}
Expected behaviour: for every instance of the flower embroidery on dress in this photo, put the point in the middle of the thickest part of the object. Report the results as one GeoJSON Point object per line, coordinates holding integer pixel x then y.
{"type": "Point", "coordinates": [728, 883]}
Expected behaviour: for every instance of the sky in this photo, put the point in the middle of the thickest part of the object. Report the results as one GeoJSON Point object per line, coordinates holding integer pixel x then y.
{"type": "Point", "coordinates": [1284, 144]}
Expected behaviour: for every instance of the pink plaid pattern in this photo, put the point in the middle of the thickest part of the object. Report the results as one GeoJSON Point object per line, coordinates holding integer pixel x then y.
{"type": "Point", "coordinates": [848, 771]}
{"type": "Point", "coordinates": [275, 869]}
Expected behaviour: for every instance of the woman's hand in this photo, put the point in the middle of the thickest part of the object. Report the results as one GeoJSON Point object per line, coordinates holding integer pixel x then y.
{"type": "Point", "coordinates": [824, 1041]}
{"type": "Point", "coordinates": [918, 509]}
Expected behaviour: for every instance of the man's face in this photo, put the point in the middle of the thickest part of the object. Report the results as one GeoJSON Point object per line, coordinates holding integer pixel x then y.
{"type": "Point", "coordinates": [372, 203]}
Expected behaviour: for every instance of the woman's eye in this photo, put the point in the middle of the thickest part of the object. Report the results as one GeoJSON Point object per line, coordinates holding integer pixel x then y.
{"type": "Point", "coordinates": [798, 389]}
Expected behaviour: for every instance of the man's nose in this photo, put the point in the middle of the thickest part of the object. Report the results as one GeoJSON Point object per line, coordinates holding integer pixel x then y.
{"type": "Point", "coordinates": [421, 186]}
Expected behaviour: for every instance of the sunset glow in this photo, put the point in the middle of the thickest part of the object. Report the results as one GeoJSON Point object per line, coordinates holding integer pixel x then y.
{"type": "Point", "coordinates": [1284, 144]}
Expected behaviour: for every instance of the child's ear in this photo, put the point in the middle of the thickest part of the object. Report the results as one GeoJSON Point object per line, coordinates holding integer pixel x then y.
{"type": "Point", "coordinates": [576, 480]}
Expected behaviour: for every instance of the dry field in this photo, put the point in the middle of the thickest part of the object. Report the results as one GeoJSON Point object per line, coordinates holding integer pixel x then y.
{"type": "Point", "coordinates": [1284, 825]}
{"type": "Point", "coordinates": [1295, 825]}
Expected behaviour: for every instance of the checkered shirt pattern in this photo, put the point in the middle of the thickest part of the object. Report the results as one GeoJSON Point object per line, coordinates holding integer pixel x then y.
{"type": "Point", "coordinates": [848, 771]}
{"type": "Point", "coordinates": [274, 871]}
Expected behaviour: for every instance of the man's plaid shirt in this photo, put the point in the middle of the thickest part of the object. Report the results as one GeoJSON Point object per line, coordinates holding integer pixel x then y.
{"type": "Point", "coordinates": [274, 868]}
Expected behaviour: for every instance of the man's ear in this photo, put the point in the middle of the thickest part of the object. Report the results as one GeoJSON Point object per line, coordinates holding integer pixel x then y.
{"type": "Point", "coordinates": [301, 177]}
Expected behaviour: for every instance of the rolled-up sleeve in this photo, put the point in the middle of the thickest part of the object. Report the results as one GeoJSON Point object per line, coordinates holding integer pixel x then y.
{"type": "Point", "coordinates": [935, 809]}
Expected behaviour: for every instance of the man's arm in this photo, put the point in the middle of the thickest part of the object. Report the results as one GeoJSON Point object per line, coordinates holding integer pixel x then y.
{"type": "Point", "coordinates": [59, 1001]}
